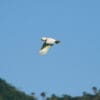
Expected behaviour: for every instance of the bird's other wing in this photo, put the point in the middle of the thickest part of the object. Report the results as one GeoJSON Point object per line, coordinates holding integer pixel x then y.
{"type": "Point", "coordinates": [44, 49]}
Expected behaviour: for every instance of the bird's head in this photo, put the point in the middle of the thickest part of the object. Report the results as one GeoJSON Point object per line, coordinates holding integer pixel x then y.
{"type": "Point", "coordinates": [43, 38]}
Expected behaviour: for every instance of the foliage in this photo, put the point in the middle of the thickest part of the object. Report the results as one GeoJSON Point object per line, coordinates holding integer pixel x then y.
{"type": "Point", "coordinates": [86, 97]}
{"type": "Point", "coordinates": [8, 92]}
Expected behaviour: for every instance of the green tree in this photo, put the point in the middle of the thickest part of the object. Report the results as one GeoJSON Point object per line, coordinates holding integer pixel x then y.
{"type": "Point", "coordinates": [94, 90]}
{"type": "Point", "coordinates": [9, 92]}
{"type": "Point", "coordinates": [66, 97]}
{"type": "Point", "coordinates": [53, 97]}
{"type": "Point", "coordinates": [43, 95]}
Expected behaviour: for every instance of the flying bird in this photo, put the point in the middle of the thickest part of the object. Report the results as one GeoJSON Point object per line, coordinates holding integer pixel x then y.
{"type": "Point", "coordinates": [48, 43]}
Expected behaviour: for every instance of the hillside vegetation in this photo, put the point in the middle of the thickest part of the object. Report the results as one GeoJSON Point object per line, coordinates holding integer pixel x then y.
{"type": "Point", "coordinates": [9, 92]}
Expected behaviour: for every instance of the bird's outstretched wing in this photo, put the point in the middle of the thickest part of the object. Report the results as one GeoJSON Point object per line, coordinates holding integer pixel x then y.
{"type": "Point", "coordinates": [44, 49]}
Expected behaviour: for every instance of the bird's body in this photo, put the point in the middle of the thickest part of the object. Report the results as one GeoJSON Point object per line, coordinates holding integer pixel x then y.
{"type": "Point", "coordinates": [48, 43]}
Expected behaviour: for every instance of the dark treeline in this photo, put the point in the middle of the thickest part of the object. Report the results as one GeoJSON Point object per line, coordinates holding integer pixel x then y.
{"type": "Point", "coordinates": [8, 92]}
{"type": "Point", "coordinates": [67, 97]}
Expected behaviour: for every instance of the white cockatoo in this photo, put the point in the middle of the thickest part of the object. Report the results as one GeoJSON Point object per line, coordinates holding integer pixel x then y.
{"type": "Point", "coordinates": [48, 43]}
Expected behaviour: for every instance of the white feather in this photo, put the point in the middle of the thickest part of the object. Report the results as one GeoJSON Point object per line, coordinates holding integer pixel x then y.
{"type": "Point", "coordinates": [44, 50]}
{"type": "Point", "coordinates": [50, 41]}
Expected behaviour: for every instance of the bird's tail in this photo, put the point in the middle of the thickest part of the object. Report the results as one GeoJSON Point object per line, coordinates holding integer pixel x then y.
{"type": "Point", "coordinates": [57, 41]}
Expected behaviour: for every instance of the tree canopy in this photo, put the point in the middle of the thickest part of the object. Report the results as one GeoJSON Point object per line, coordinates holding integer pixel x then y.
{"type": "Point", "coordinates": [9, 92]}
